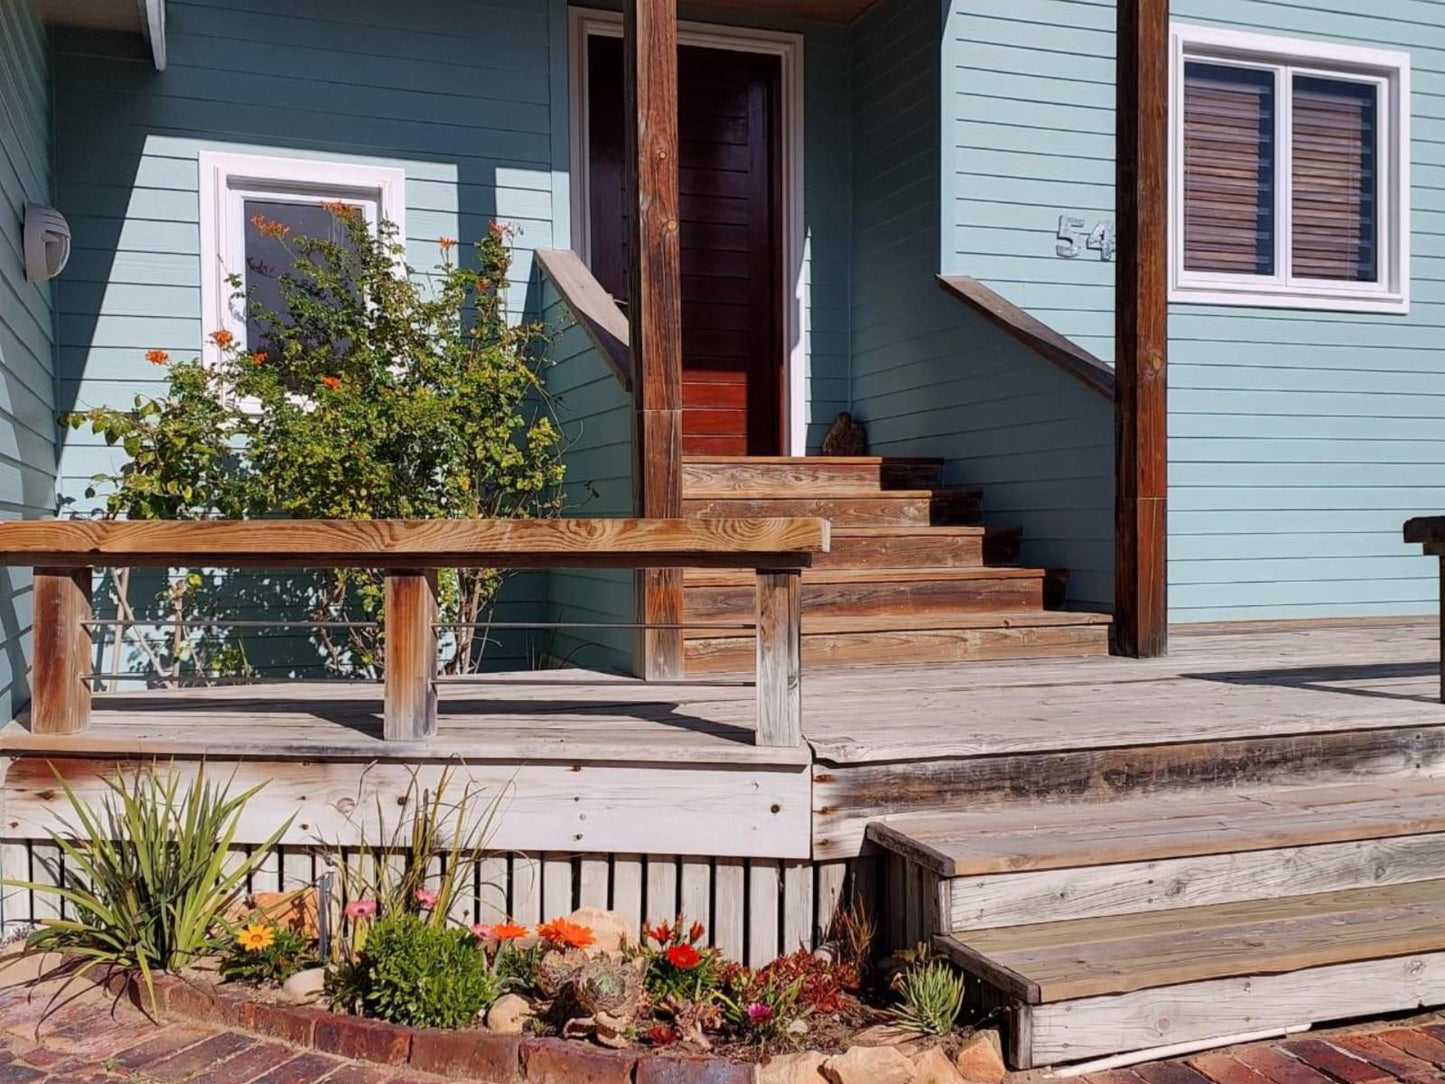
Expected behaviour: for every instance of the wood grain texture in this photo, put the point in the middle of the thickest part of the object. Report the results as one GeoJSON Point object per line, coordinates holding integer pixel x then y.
{"type": "Point", "coordinates": [724, 475]}
{"type": "Point", "coordinates": [593, 307]}
{"type": "Point", "coordinates": [1141, 328]}
{"type": "Point", "coordinates": [1032, 332]}
{"type": "Point", "coordinates": [60, 693]}
{"type": "Point", "coordinates": [409, 703]}
{"type": "Point", "coordinates": [779, 659]}
{"type": "Point", "coordinates": [618, 543]}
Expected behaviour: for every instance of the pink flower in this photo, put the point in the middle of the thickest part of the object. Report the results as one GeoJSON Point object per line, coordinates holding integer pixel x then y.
{"type": "Point", "coordinates": [484, 932]}
{"type": "Point", "coordinates": [759, 1013]}
{"type": "Point", "coordinates": [361, 909]}
{"type": "Point", "coordinates": [426, 897]}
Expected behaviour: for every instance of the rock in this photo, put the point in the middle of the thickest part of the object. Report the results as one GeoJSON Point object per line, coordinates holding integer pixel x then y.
{"type": "Point", "coordinates": [305, 986]}
{"type": "Point", "coordinates": [979, 1060]}
{"type": "Point", "coordinates": [509, 1015]}
{"type": "Point", "coordinates": [611, 932]}
{"type": "Point", "coordinates": [798, 1027]}
{"type": "Point", "coordinates": [803, 1068]}
{"type": "Point", "coordinates": [933, 1066]}
{"type": "Point", "coordinates": [868, 1065]}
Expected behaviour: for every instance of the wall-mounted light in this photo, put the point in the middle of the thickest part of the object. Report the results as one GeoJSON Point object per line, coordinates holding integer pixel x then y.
{"type": "Point", "coordinates": [47, 242]}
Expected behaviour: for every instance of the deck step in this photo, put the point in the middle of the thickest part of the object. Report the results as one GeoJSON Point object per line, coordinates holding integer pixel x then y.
{"type": "Point", "coordinates": [854, 508]}
{"type": "Point", "coordinates": [920, 547]}
{"type": "Point", "coordinates": [739, 476]}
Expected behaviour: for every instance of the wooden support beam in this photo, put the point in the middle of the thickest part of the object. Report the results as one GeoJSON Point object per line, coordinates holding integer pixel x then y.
{"type": "Point", "coordinates": [410, 706]}
{"type": "Point", "coordinates": [655, 308]}
{"type": "Point", "coordinates": [1141, 325]}
{"type": "Point", "coordinates": [780, 652]}
{"type": "Point", "coordinates": [59, 691]}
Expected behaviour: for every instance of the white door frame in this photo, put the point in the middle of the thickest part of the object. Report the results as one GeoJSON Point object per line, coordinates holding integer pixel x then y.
{"type": "Point", "coordinates": [788, 48]}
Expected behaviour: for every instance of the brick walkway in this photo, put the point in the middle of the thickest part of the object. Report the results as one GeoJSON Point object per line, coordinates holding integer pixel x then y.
{"type": "Point", "coordinates": [1411, 1050]}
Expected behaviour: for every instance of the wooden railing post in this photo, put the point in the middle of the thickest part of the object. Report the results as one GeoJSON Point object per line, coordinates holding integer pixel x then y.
{"type": "Point", "coordinates": [59, 690]}
{"type": "Point", "coordinates": [410, 709]}
{"type": "Point", "coordinates": [779, 673]}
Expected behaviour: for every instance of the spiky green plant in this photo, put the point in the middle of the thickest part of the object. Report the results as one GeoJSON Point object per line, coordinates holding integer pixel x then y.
{"type": "Point", "coordinates": [930, 994]}
{"type": "Point", "coordinates": [146, 878]}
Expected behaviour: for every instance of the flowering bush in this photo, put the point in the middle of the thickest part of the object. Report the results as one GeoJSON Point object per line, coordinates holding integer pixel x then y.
{"type": "Point", "coordinates": [676, 968]}
{"type": "Point", "coordinates": [263, 953]}
{"type": "Point", "coordinates": [824, 985]}
{"type": "Point", "coordinates": [762, 1005]}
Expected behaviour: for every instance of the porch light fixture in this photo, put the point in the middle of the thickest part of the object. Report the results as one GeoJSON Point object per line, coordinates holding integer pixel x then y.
{"type": "Point", "coordinates": [47, 242]}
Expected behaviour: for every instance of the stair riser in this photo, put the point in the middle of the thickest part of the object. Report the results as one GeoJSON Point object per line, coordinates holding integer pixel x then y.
{"type": "Point", "coordinates": [735, 654]}
{"type": "Point", "coordinates": [920, 551]}
{"type": "Point", "coordinates": [883, 511]}
{"type": "Point", "coordinates": [1013, 593]}
{"type": "Point", "coordinates": [1010, 899]}
{"type": "Point", "coordinates": [820, 477]}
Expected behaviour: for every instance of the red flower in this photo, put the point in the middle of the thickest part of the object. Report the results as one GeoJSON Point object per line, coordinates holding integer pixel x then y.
{"type": "Point", "coordinates": [661, 933]}
{"type": "Point", "coordinates": [566, 934]}
{"type": "Point", "coordinates": [661, 1035]}
{"type": "Point", "coordinates": [157, 357]}
{"type": "Point", "coordinates": [332, 382]}
{"type": "Point", "coordinates": [694, 934]}
{"type": "Point", "coordinates": [684, 957]}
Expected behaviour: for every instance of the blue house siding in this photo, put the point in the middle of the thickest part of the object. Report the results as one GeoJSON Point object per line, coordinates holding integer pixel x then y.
{"type": "Point", "coordinates": [27, 374]}
{"type": "Point", "coordinates": [929, 376]}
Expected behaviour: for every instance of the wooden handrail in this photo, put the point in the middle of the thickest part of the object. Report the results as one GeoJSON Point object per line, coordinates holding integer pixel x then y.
{"type": "Point", "coordinates": [597, 312]}
{"type": "Point", "coordinates": [1032, 332]}
{"type": "Point", "coordinates": [64, 554]}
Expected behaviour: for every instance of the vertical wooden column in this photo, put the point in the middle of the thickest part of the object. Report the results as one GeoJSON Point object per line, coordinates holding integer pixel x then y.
{"type": "Point", "coordinates": [780, 657]}
{"type": "Point", "coordinates": [410, 711]}
{"type": "Point", "coordinates": [654, 313]}
{"type": "Point", "coordinates": [1141, 464]}
{"type": "Point", "coordinates": [59, 690]}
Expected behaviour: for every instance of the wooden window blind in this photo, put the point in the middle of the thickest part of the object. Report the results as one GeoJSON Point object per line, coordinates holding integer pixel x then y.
{"type": "Point", "coordinates": [1333, 177]}
{"type": "Point", "coordinates": [1229, 168]}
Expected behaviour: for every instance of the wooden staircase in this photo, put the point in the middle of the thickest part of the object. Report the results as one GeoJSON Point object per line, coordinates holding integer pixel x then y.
{"type": "Point", "coordinates": [1202, 917]}
{"type": "Point", "coordinates": [912, 576]}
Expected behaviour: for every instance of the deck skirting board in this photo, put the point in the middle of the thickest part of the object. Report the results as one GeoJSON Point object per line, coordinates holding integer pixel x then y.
{"type": "Point", "coordinates": [1097, 1026]}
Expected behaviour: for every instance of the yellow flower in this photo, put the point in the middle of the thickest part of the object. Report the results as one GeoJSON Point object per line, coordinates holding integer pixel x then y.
{"type": "Point", "coordinates": [255, 937]}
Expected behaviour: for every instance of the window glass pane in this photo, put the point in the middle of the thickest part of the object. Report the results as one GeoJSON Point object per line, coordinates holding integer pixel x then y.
{"type": "Point", "coordinates": [1229, 169]}
{"type": "Point", "coordinates": [268, 258]}
{"type": "Point", "coordinates": [1334, 196]}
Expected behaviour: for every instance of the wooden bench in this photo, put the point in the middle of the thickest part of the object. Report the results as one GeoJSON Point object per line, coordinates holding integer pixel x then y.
{"type": "Point", "coordinates": [65, 553]}
{"type": "Point", "coordinates": [1429, 532]}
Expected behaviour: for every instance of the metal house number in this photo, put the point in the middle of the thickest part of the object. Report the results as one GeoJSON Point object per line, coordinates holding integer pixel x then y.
{"type": "Point", "coordinates": [1073, 240]}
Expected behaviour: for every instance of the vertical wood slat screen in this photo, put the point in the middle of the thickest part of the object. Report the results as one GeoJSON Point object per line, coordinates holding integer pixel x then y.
{"type": "Point", "coordinates": [1333, 174]}
{"type": "Point", "coordinates": [1229, 169]}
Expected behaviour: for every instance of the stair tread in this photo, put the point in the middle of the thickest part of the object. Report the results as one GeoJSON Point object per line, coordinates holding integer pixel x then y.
{"type": "Point", "coordinates": [806, 460]}
{"type": "Point", "coordinates": [830, 625]}
{"type": "Point", "coordinates": [726, 577]}
{"type": "Point", "coordinates": [1091, 957]}
{"type": "Point", "coordinates": [790, 493]}
{"type": "Point", "coordinates": [910, 529]}
{"type": "Point", "coordinates": [1062, 836]}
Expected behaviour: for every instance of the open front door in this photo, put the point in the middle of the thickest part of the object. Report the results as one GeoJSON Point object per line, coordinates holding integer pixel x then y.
{"type": "Point", "coordinates": [730, 172]}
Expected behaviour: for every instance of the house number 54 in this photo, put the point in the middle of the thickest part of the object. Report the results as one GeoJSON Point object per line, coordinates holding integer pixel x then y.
{"type": "Point", "coordinates": [1073, 239]}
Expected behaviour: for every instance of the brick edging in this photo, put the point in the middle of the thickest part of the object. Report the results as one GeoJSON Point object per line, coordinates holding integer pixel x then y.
{"type": "Point", "coordinates": [465, 1054]}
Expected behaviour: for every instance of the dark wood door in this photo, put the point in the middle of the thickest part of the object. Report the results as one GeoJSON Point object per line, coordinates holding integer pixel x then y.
{"type": "Point", "coordinates": [730, 177]}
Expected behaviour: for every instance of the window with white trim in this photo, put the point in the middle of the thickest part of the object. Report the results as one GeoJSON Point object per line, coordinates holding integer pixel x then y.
{"type": "Point", "coordinates": [239, 193]}
{"type": "Point", "coordinates": [1289, 172]}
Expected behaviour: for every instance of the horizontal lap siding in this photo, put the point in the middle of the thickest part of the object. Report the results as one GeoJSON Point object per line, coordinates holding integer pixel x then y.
{"type": "Point", "coordinates": [937, 146]}
{"type": "Point", "coordinates": [1301, 441]}
{"type": "Point", "coordinates": [27, 374]}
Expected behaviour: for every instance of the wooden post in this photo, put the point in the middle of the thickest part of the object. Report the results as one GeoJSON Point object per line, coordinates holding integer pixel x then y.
{"type": "Point", "coordinates": [410, 712]}
{"type": "Point", "coordinates": [779, 673]}
{"type": "Point", "coordinates": [1141, 329]}
{"type": "Point", "coordinates": [654, 311]}
{"type": "Point", "coordinates": [59, 690]}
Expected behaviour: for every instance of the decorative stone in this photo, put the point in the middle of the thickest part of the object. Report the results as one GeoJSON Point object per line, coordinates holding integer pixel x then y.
{"type": "Point", "coordinates": [869, 1065]}
{"type": "Point", "coordinates": [509, 1015]}
{"type": "Point", "coordinates": [801, 1068]}
{"type": "Point", "coordinates": [798, 1028]}
{"type": "Point", "coordinates": [305, 986]}
{"type": "Point", "coordinates": [979, 1060]}
{"type": "Point", "coordinates": [611, 932]}
{"type": "Point", "coordinates": [932, 1066]}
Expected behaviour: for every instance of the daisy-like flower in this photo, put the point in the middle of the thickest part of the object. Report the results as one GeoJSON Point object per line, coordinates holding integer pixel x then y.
{"type": "Point", "coordinates": [255, 937]}
{"type": "Point", "coordinates": [332, 382]}
{"type": "Point", "coordinates": [566, 934]}
{"type": "Point", "coordinates": [360, 909]}
{"type": "Point", "coordinates": [684, 957]}
{"type": "Point", "coordinates": [157, 357]}
{"type": "Point", "coordinates": [484, 931]}
{"type": "Point", "coordinates": [509, 931]}
{"type": "Point", "coordinates": [759, 1013]}
{"type": "Point", "coordinates": [426, 897]}
{"type": "Point", "coordinates": [222, 338]}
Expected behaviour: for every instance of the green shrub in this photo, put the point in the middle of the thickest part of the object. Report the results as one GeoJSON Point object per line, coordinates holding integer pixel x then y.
{"type": "Point", "coordinates": [425, 976]}
{"type": "Point", "coordinates": [930, 994]}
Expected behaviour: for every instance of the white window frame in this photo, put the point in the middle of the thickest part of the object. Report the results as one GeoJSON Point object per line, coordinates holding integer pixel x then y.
{"type": "Point", "coordinates": [1389, 72]}
{"type": "Point", "coordinates": [227, 180]}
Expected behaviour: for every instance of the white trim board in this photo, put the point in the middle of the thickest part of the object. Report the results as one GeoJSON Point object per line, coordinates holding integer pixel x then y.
{"type": "Point", "coordinates": [788, 48]}
{"type": "Point", "coordinates": [1390, 72]}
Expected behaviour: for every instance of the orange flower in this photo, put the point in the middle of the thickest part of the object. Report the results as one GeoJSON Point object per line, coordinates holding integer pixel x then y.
{"type": "Point", "coordinates": [446, 244]}
{"type": "Point", "coordinates": [270, 227]}
{"type": "Point", "coordinates": [332, 382]}
{"type": "Point", "coordinates": [258, 359]}
{"type": "Point", "coordinates": [157, 357]}
{"type": "Point", "coordinates": [222, 338]}
{"type": "Point", "coordinates": [341, 210]}
{"type": "Point", "coordinates": [566, 934]}
{"type": "Point", "coordinates": [509, 931]}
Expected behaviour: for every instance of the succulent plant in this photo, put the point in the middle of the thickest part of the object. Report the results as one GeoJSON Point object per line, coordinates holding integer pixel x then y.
{"type": "Point", "coordinates": [557, 971]}
{"type": "Point", "coordinates": [609, 987]}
